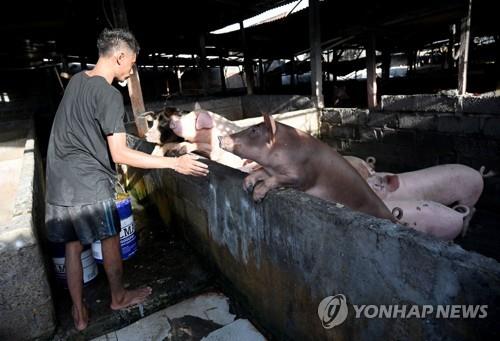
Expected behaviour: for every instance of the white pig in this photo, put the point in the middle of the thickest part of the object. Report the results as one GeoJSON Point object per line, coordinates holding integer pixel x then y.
{"type": "Point", "coordinates": [201, 128]}
{"type": "Point", "coordinates": [430, 217]}
{"type": "Point", "coordinates": [446, 184]}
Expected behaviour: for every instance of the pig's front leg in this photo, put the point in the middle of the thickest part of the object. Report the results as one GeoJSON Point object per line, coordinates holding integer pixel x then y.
{"type": "Point", "coordinates": [181, 148]}
{"type": "Point", "coordinates": [253, 178]}
{"type": "Point", "coordinates": [261, 189]}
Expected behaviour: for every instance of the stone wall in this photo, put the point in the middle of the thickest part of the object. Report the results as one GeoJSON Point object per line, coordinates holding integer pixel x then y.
{"type": "Point", "coordinates": [413, 132]}
{"type": "Point", "coordinates": [403, 140]}
{"type": "Point", "coordinates": [26, 308]}
{"type": "Point", "coordinates": [284, 255]}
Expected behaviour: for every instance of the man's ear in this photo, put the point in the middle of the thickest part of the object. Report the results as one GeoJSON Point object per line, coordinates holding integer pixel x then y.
{"type": "Point", "coordinates": [204, 121]}
{"type": "Point", "coordinates": [119, 57]}
{"type": "Point", "coordinates": [270, 125]}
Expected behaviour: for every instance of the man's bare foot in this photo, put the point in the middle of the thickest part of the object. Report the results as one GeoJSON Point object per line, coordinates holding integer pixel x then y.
{"type": "Point", "coordinates": [131, 297]}
{"type": "Point", "coordinates": [80, 318]}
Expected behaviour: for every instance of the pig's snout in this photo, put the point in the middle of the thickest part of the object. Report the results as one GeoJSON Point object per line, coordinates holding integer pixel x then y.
{"type": "Point", "coordinates": [226, 143]}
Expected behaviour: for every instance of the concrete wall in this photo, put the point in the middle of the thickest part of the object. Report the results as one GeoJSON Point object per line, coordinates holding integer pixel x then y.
{"type": "Point", "coordinates": [240, 107]}
{"type": "Point", "coordinates": [285, 255]}
{"type": "Point", "coordinates": [414, 132]}
{"type": "Point", "coordinates": [26, 309]}
{"type": "Point", "coordinates": [419, 131]}
{"type": "Point", "coordinates": [255, 105]}
{"type": "Point", "coordinates": [306, 120]}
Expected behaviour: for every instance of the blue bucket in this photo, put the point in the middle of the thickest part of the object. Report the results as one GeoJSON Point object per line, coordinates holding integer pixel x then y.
{"type": "Point", "coordinates": [128, 239]}
{"type": "Point", "coordinates": [89, 265]}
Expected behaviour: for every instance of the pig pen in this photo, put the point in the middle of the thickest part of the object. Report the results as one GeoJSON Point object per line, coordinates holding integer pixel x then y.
{"type": "Point", "coordinates": [282, 257]}
{"type": "Point", "coordinates": [26, 309]}
{"type": "Point", "coordinates": [417, 131]}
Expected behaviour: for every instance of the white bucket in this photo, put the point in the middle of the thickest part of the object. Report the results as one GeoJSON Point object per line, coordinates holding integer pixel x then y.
{"type": "Point", "coordinates": [89, 265]}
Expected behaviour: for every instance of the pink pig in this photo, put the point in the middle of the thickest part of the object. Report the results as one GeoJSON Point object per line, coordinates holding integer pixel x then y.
{"type": "Point", "coordinates": [430, 217]}
{"type": "Point", "coordinates": [201, 128]}
{"type": "Point", "coordinates": [446, 184]}
{"type": "Point", "coordinates": [292, 158]}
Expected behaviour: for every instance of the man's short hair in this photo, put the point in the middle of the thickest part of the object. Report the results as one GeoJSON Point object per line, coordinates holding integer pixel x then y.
{"type": "Point", "coordinates": [112, 39]}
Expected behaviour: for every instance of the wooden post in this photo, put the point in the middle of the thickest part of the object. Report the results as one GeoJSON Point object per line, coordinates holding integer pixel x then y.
{"type": "Point", "coordinates": [386, 64]}
{"type": "Point", "coordinates": [292, 72]}
{"type": "Point", "coordinates": [178, 74]}
{"type": "Point", "coordinates": [497, 67]}
{"type": "Point", "coordinates": [371, 72]}
{"type": "Point", "coordinates": [222, 74]}
{"type": "Point", "coordinates": [464, 52]}
{"type": "Point", "coordinates": [203, 64]}
{"type": "Point", "coordinates": [315, 45]}
{"type": "Point", "coordinates": [134, 85]}
{"type": "Point", "coordinates": [261, 75]}
{"type": "Point", "coordinates": [450, 60]}
{"type": "Point", "coordinates": [247, 64]}
{"type": "Point", "coordinates": [83, 62]}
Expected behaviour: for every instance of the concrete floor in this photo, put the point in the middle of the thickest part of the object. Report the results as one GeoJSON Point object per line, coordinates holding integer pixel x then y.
{"type": "Point", "coordinates": [167, 264]}
{"type": "Point", "coordinates": [11, 160]}
{"type": "Point", "coordinates": [204, 317]}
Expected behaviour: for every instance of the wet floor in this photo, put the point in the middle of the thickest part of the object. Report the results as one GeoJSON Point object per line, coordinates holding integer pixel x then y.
{"type": "Point", "coordinates": [163, 261]}
{"type": "Point", "coordinates": [204, 317]}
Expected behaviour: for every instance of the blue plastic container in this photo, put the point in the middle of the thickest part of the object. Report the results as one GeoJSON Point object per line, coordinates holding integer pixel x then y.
{"type": "Point", "coordinates": [89, 265]}
{"type": "Point", "coordinates": [128, 239]}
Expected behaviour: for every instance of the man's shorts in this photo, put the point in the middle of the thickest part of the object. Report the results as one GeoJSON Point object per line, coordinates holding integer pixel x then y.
{"type": "Point", "coordinates": [86, 223]}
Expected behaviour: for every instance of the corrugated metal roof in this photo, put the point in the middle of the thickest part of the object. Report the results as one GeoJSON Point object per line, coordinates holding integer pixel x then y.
{"type": "Point", "coordinates": [282, 11]}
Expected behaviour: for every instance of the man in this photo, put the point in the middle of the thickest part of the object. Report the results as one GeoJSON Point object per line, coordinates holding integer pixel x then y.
{"type": "Point", "coordinates": [87, 139]}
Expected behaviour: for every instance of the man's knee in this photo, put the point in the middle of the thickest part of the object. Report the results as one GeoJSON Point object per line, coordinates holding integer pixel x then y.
{"type": "Point", "coordinates": [111, 242]}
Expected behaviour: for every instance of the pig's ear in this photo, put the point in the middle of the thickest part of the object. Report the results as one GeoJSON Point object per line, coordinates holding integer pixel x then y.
{"type": "Point", "coordinates": [204, 121]}
{"type": "Point", "coordinates": [271, 125]}
{"type": "Point", "coordinates": [392, 182]}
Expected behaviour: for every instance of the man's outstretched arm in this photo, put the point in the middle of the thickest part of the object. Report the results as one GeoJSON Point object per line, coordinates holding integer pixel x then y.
{"type": "Point", "coordinates": [122, 154]}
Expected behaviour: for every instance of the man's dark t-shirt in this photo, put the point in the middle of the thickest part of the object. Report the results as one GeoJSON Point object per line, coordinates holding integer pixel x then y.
{"type": "Point", "coordinates": [79, 166]}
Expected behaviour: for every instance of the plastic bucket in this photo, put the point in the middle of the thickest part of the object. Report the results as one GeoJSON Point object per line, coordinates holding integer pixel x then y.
{"type": "Point", "coordinates": [89, 265]}
{"type": "Point", "coordinates": [128, 239]}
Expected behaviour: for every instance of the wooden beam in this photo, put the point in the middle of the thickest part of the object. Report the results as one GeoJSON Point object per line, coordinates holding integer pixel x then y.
{"type": "Point", "coordinates": [178, 74]}
{"type": "Point", "coordinates": [247, 66]}
{"type": "Point", "coordinates": [134, 85]}
{"type": "Point", "coordinates": [386, 64]}
{"type": "Point", "coordinates": [371, 72]}
{"type": "Point", "coordinates": [203, 64]}
{"type": "Point", "coordinates": [464, 52]}
{"type": "Point", "coordinates": [261, 76]}
{"type": "Point", "coordinates": [315, 44]}
{"type": "Point", "coordinates": [497, 67]}
{"type": "Point", "coordinates": [222, 73]}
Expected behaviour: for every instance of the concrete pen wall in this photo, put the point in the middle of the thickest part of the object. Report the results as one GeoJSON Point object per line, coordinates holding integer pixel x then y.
{"type": "Point", "coordinates": [26, 307]}
{"type": "Point", "coordinates": [284, 255]}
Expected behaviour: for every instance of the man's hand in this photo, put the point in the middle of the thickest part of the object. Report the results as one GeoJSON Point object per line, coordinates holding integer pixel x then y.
{"type": "Point", "coordinates": [187, 165]}
{"type": "Point", "coordinates": [122, 154]}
